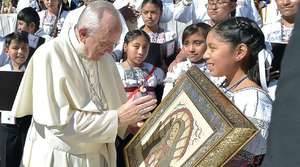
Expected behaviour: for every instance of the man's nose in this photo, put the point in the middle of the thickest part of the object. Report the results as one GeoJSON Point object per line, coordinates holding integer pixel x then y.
{"type": "Point", "coordinates": [109, 48]}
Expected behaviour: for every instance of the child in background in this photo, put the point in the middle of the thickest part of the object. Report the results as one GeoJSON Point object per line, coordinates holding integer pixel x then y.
{"type": "Point", "coordinates": [28, 20]}
{"type": "Point", "coordinates": [163, 43]}
{"type": "Point", "coordinates": [194, 46]}
{"type": "Point", "coordinates": [52, 18]}
{"type": "Point", "coordinates": [234, 49]}
{"type": "Point", "coordinates": [138, 76]}
{"type": "Point", "coordinates": [16, 47]}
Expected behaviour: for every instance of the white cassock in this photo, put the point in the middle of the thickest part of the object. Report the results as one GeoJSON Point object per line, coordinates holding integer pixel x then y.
{"type": "Point", "coordinates": [73, 101]}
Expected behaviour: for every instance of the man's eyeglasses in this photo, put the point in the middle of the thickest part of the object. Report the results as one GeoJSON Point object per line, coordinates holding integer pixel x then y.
{"type": "Point", "coordinates": [217, 3]}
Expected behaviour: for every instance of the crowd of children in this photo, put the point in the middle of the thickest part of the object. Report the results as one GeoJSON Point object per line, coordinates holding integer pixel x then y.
{"type": "Point", "coordinates": [228, 40]}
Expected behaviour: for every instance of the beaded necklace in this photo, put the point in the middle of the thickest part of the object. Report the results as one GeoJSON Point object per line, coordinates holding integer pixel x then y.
{"type": "Point", "coordinates": [237, 83]}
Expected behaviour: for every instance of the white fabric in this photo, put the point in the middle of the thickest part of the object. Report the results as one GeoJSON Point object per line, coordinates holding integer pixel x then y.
{"type": "Point", "coordinates": [272, 89]}
{"type": "Point", "coordinates": [42, 34]}
{"type": "Point", "coordinates": [270, 13]}
{"type": "Point", "coordinates": [162, 37]}
{"type": "Point", "coordinates": [131, 81]}
{"type": "Point", "coordinates": [8, 67]}
{"type": "Point", "coordinates": [71, 19]}
{"type": "Point", "coordinates": [8, 24]}
{"type": "Point", "coordinates": [183, 67]}
{"type": "Point", "coordinates": [247, 8]}
{"type": "Point", "coordinates": [47, 21]}
{"type": "Point", "coordinates": [197, 11]}
{"type": "Point", "coordinates": [264, 58]}
{"type": "Point", "coordinates": [68, 128]}
{"type": "Point", "coordinates": [27, 3]}
{"type": "Point", "coordinates": [275, 32]}
{"type": "Point", "coordinates": [136, 77]}
{"type": "Point", "coordinates": [256, 105]}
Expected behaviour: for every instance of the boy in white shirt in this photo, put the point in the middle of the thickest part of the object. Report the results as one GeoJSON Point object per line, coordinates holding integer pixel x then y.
{"type": "Point", "coordinates": [17, 49]}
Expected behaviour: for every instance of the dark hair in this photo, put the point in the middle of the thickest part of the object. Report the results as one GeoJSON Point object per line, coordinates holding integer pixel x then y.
{"type": "Point", "coordinates": [132, 35]}
{"type": "Point", "coordinates": [15, 36]}
{"type": "Point", "coordinates": [243, 30]}
{"type": "Point", "coordinates": [29, 15]}
{"type": "Point", "coordinates": [158, 3]}
{"type": "Point", "coordinates": [201, 28]}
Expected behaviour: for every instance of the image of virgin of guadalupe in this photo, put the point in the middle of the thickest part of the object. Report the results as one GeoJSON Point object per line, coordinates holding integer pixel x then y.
{"type": "Point", "coordinates": [169, 142]}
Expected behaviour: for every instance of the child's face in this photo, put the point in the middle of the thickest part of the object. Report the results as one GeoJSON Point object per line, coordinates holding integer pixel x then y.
{"type": "Point", "coordinates": [18, 52]}
{"type": "Point", "coordinates": [219, 56]}
{"type": "Point", "coordinates": [23, 26]}
{"type": "Point", "coordinates": [194, 46]}
{"type": "Point", "coordinates": [137, 50]}
{"type": "Point", "coordinates": [151, 14]}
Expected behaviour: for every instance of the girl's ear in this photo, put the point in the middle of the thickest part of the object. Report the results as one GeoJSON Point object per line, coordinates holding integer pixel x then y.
{"type": "Point", "coordinates": [32, 27]}
{"type": "Point", "coordinates": [125, 46]}
{"type": "Point", "coordinates": [6, 49]}
{"type": "Point", "coordinates": [241, 52]}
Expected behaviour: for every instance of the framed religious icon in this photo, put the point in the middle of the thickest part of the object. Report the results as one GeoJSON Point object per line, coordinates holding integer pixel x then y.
{"type": "Point", "coordinates": [194, 125]}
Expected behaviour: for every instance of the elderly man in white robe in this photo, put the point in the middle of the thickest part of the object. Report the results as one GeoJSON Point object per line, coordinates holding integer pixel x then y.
{"type": "Point", "coordinates": [75, 94]}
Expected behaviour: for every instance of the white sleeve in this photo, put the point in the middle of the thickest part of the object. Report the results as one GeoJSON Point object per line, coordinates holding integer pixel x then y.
{"type": "Point", "coordinates": [183, 13]}
{"type": "Point", "coordinates": [89, 127]}
{"type": "Point", "coordinates": [22, 4]}
{"type": "Point", "coordinates": [167, 13]}
{"type": "Point", "coordinates": [248, 9]}
{"type": "Point", "coordinates": [255, 14]}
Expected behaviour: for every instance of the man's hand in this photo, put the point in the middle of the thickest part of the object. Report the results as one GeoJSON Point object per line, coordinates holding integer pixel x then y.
{"type": "Point", "coordinates": [136, 109]}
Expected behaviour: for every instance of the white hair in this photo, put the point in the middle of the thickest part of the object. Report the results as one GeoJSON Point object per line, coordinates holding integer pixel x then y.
{"type": "Point", "coordinates": [91, 16]}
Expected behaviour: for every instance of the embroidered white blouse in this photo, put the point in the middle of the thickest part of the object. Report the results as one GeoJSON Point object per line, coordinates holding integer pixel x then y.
{"type": "Point", "coordinates": [275, 32]}
{"type": "Point", "coordinates": [256, 105]}
{"type": "Point", "coordinates": [47, 21]}
{"type": "Point", "coordinates": [133, 78]}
